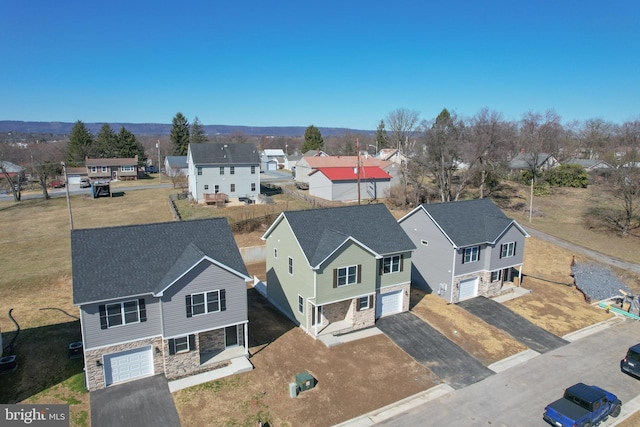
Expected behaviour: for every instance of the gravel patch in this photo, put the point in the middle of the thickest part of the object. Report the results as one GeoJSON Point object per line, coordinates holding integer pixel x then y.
{"type": "Point", "coordinates": [596, 282]}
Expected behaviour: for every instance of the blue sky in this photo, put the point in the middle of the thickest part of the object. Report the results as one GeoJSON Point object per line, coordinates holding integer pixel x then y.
{"type": "Point", "coordinates": [327, 63]}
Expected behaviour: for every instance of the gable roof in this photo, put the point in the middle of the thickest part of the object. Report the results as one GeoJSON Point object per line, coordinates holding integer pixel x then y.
{"type": "Point", "coordinates": [278, 152]}
{"type": "Point", "coordinates": [589, 163]}
{"type": "Point", "coordinates": [10, 167]}
{"type": "Point", "coordinates": [177, 162]}
{"type": "Point", "coordinates": [115, 161]}
{"type": "Point", "coordinates": [350, 173]}
{"type": "Point", "coordinates": [218, 153]}
{"type": "Point", "coordinates": [469, 222]}
{"type": "Point", "coordinates": [116, 262]}
{"type": "Point", "coordinates": [526, 160]}
{"type": "Point", "coordinates": [320, 232]}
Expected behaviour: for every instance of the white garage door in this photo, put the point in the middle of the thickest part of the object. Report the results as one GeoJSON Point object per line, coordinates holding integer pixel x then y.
{"type": "Point", "coordinates": [128, 365]}
{"type": "Point", "coordinates": [468, 289]}
{"type": "Point", "coordinates": [389, 303]}
{"type": "Point", "coordinates": [74, 179]}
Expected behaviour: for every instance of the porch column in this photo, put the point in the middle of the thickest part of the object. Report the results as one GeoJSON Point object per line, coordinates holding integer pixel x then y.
{"type": "Point", "coordinates": [315, 320]}
{"type": "Point", "coordinates": [246, 338]}
{"type": "Point", "coordinates": [520, 275]}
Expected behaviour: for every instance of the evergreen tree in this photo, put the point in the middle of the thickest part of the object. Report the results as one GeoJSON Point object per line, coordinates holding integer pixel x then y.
{"type": "Point", "coordinates": [106, 142]}
{"type": "Point", "coordinates": [128, 146]}
{"type": "Point", "coordinates": [80, 145]}
{"type": "Point", "coordinates": [198, 134]}
{"type": "Point", "coordinates": [179, 135]}
{"type": "Point", "coordinates": [312, 139]}
{"type": "Point", "coordinates": [382, 139]}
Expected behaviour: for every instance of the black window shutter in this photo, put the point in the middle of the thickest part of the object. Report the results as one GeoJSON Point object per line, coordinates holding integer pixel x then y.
{"type": "Point", "coordinates": [172, 346]}
{"type": "Point", "coordinates": [370, 301]}
{"type": "Point", "coordinates": [357, 304]}
{"type": "Point", "coordinates": [380, 264]}
{"type": "Point", "coordinates": [501, 246]}
{"type": "Point", "coordinates": [514, 248]}
{"type": "Point", "coordinates": [188, 302]}
{"type": "Point", "coordinates": [359, 273]}
{"type": "Point", "coordinates": [103, 316]}
{"type": "Point", "coordinates": [192, 342]}
{"type": "Point", "coordinates": [223, 300]}
{"type": "Point", "coordinates": [143, 310]}
{"type": "Point", "coordinates": [464, 253]}
{"type": "Point", "coordinates": [401, 261]}
{"type": "Point", "coordinates": [335, 277]}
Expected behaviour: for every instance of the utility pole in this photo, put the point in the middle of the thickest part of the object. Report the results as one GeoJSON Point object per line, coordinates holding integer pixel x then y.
{"type": "Point", "coordinates": [66, 186]}
{"type": "Point", "coordinates": [159, 166]}
{"type": "Point", "coordinates": [358, 167]}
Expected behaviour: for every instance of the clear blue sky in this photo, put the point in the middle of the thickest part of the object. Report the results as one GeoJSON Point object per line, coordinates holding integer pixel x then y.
{"type": "Point", "coordinates": [328, 63]}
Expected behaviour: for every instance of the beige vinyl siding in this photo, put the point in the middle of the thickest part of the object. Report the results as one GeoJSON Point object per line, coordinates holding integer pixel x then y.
{"type": "Point", "coordinates": [348, 255]}
{"type": "Point", "coordinates": [282, 288]}
{"type": "Point", "coordinates": [94, 336]}
{"type": "Point", "coordinates": [204, 277]}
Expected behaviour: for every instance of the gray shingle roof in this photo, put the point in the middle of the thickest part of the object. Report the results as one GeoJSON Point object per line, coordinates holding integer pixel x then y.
{"type": "Point", "coordinates": [469, 222]}
{"type": "Point", "coordinates": [115, 262]}
{"type": "Point", "coordinates": [177, 162]}
{"type": "Point", "coordinates": [322, 231]}
{"type": "Point", "coordinates": [224, 154]}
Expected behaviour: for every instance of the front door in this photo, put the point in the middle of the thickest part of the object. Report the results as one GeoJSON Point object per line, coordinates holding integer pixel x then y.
{"type": "Point", "coordinates": [114, 175]}
{"type": "Point", "coordinates": [231, 336]}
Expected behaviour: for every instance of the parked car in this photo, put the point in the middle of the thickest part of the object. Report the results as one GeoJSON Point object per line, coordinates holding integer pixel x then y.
{"type": "Point", "coordinates": [582, 406]}
{"type": "Point", "coordinates": [84, 183]}
{"type": "Point", "coordinates": [150, 169]}
{"type": "Point", "coordinates": [631, 362]}
{"type": "Point", "coordinates": [56, 183]}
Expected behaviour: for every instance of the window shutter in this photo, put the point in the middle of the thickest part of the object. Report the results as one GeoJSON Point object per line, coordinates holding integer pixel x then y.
{"type": "Point", "coordinates": [370, 301]}
{"type": "Point", "coordinates": [514, 248]}
{"type": "Point", "coordinates": [172, 347]}
{"type": "Point", "coordinates": [188, 301]}
{"type": "Point", "coordinates": [464, 254]}
{"type": "Point", "coordinates": [103, 316]}
{"type": "Point", "coordinates": [401, 262]}
{"type": "Point", "coordinates": [357, 304]}
{"type": "Point", "coordinates": [192, 342]}
{"type": "Point", "coordinates": [380, 264]}
{"type": "Point", "coordinates": [143, 310]}
{"type": "Point", "coordinates": [359, 273]}
{"type": "Point", "coordinates": [223, 300]}
{"type": "Point", "coordinates": [335, 277]}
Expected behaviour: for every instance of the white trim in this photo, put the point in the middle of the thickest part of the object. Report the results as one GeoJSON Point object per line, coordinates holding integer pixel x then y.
{"type": "Point", "coordinates": [346, 276]}
{"type": "Point", "coordinates": [348, 239]}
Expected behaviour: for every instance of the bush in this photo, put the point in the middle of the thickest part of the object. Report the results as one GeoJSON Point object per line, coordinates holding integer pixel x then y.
{"type": "Point", "coordinates": [574, 176]}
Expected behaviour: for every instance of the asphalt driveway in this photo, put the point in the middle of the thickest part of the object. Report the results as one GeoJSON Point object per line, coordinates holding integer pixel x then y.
{"type": "Point", "coordinates": [496, 314]}
{"type": "Point", "coordinates": [144, 402]}
{"type": "Point", "coordinates": [430, 348]}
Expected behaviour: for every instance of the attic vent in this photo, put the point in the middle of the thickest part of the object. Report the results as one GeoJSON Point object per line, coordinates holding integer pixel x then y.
{"type": "Point", "coordinates": [424, 242]}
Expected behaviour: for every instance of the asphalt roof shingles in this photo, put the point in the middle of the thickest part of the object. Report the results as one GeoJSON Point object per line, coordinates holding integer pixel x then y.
{"type": "Point", "coordinates": [115, 262]}
{"type": "Point", "coordinates": [469, 222]}
{"type": "Point", "coordinates": [322, 231]}
{"type": "Point", "coordinates": [223, 153]}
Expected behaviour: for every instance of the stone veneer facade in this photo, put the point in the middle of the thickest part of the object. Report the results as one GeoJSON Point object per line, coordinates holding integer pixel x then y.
{"type": "Point", "coordinates": [486, 287]}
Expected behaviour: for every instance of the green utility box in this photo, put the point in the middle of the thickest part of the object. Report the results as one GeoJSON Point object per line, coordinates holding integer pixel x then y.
{"type": "Point", "coordinates": [305, 381]}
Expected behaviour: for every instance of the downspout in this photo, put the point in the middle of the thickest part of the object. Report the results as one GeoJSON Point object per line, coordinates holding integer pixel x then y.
{"type": "Point", "coordinates": [86, 371]}
{"type": "Point", "coordinates": [453, 269]}
{"type": "Point", "coordinates": [315, 306]}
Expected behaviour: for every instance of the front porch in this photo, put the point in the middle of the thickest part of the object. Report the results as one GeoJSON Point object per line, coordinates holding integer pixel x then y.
{"type": "Point", "coordinates": [341, 317]}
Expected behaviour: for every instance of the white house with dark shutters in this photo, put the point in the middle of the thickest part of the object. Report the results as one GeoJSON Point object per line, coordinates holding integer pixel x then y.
{"type": "Point", "coordinates": [148, 309]}
{"type": "Point", "coordinates": [465, 248]}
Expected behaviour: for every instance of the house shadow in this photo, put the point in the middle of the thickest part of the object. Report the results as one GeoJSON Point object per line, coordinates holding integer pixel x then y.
{"type": "Point", "coordinates": [266, 323]}
{"type": "Point", "coordinates": [416, 295]}
{"type": "Point", "coordinates": [42, 358]}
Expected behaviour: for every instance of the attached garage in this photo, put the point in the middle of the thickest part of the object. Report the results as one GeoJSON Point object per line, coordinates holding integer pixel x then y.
{"type": "Point", "coordinates": [128, 365]}
{"type": "Point", "coordinates": [468, 289]}
{"type": "Point", "coordinates": [389, 303]}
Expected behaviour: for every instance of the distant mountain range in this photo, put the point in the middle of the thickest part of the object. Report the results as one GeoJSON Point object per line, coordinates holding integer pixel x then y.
{"type": "Point", "coordinates": [62, 128]}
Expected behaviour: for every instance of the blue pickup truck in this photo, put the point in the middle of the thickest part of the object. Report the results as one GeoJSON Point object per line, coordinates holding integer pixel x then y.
{"type": "Point", "coordinates": [582, 406]}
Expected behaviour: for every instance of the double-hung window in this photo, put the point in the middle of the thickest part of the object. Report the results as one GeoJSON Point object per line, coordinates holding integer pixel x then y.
{"type": "Point", "coordinates": [126, 168]}
{"type": "Point", "coordinates": [300, 304]}
{"type": "Point", "coordinates": [232, 170]}
{"type": "Point", "coordinates": [507, 250]}
{"type": "Point", "coordinates": [253, 170]}
{"type": "Point", "coordinates": [199, 170]}
{"type": "Point", "coordinates": [291, 266]}
{"type": "Point", "coordinates": [391, 264]}
{"type": "Point", "coordinates": [182, 344]}
{"type": "Point", "coordinates": [206, 302]}
{"type": "Point", "coordinates": [471, 254]}
{"type": "Point", "coordinates": [221, 170]}
{"type": "Point", "coordinates": [347, 275]}
{"type": "Point", "coordinates": [104, 169]}
{"type": "Point", "coordinates": [94, 169]}
{"type": "Point", "coordinates": [122, 313]}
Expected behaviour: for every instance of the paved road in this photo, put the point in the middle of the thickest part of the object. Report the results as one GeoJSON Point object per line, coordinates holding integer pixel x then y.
{"type": "Point", "coordinates": [517, 396]}
{"type": "Point", "coordinates": [529, 334]}
{"type": "Point", "coordinates": [430, 348]}
{"type": "Point", "coordinates": [605, 259]}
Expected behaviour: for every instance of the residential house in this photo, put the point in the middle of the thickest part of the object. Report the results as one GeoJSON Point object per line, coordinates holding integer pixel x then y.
{"type": "Point", "coordinates": [113, 169]}
{"type": "Point", "coordinates": [464, 249]}
{"type": "Point", "coordinates": [15, 172]}
{"type": "Point", "coordinates": [76, 174]}
{"type": "Point", "coordinates": [167, 298]}
{"type": "Point", "coordinates": [176, 166]}
{"type": "Point", "coordinates": [526, 161]}
{"type": "Point", "coordinates": [223, 168]}
{"type": "Point", "coordinates": [590, 165]}
{"type": "Point", "coordinates": [272, 159]}
{"type": "Point", "coordinates": [392, 155]}
{"type": "Point", "coordinates": [348, 184]}
{"type": "Point", "coordinates": [338, 269]}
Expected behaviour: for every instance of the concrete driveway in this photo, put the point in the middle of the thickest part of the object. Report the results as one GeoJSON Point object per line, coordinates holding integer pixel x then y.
{"type": "Point", "coordinates": [517, 326]}
{"type": "Point", "coordinates": [432, 349]}
{"type": "Point", "coordinates": [144, 402]}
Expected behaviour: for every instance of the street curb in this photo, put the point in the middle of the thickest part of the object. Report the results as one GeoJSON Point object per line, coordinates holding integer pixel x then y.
{"type": "Point", "coordinates": [589, 330]}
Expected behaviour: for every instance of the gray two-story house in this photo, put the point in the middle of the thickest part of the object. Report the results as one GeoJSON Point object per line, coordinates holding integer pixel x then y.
{"type": "Point", "coordinates": [338, 269]}
{"type": "Point", "coordinates": [148, 307]}
{"type": "Point", "coordinates": [226, 169]}
{"type": "Point", "coordinates": [464, 248]}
